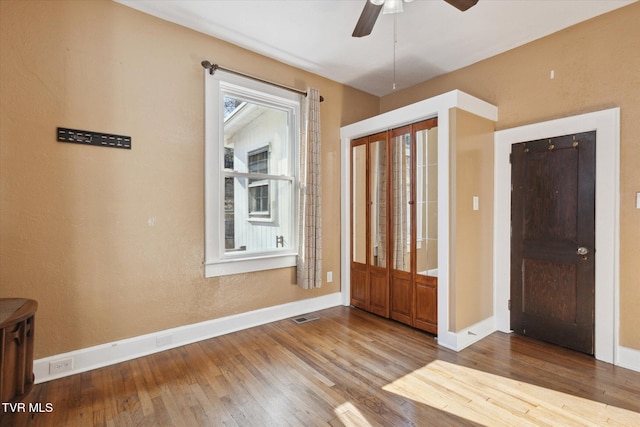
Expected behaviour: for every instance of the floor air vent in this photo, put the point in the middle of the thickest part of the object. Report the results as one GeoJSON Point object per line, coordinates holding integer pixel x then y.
{"type": "Point", "coordinates": [304, 319]}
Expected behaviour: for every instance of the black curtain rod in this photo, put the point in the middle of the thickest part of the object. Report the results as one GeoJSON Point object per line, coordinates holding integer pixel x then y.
{"type": "Point", "coordinates": [213, 67]}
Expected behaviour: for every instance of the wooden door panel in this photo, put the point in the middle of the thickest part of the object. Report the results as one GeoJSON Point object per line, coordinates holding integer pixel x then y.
{"type": "Point", "coordinates": [551, 201]}
{"type": "Point", "coordinates": [555, 293]}
{"type": "Point", "coordinates": [378, 291]}
{"type": "Point", "coordinates": [359, 285]}
{"type": "Point", "coordinates": [401, 297]}
{"type": "Point", "coordinates": [553, 215]}
{"type": "Point", "coordinates": [426, 305]}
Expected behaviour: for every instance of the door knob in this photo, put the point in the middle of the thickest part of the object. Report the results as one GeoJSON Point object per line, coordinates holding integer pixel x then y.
{"type": "Point", "coordinates": [582, 251]}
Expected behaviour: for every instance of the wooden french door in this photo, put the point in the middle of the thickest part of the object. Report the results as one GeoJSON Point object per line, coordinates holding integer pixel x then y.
{"type": "Point", "coordinates": [553, 240]}
{"type": "Point", "coordinates": [369, 222]}
{"type": "Point", "coordinates": [413, 225]}
{"type": "Point", "coordinates": [394, 224]}
{"type": "Point", "coordinates": [402, 224]}
{"type": "Point", "coordinates": [425, 240]}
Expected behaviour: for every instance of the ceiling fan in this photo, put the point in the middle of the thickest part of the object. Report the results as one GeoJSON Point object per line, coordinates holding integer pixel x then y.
{"type": "Point", "coordinates": [372, 9]}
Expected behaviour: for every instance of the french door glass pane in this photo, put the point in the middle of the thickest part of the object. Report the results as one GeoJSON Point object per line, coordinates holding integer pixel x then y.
{"type": "Point", "coordinates": [378, 206]}
{"type": "Point", "coordinates": [359, 203]}
{"type": "Point", "coordinates": [427, 202]}
{"type": "Point", "coordinates": [400, 202]}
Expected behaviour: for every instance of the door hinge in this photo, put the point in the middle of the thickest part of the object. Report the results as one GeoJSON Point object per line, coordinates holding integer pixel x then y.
{"type": "Point", "coordinates": [510, 158]}
{"type": "Point", "coordinates": [509, 305]}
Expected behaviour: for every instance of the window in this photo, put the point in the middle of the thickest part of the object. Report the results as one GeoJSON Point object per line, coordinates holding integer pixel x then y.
{"type": "Point", "coordinates": [258, 162]}
{"type": "Point", "coordinates": [251, 175]}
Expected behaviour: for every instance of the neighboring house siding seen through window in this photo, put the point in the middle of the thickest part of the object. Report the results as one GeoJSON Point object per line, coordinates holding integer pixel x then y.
{"type": "Point", "coordinates": [252, 132]}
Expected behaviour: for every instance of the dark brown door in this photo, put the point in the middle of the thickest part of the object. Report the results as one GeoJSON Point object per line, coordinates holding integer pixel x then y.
{"type": "Point", "coordinates": [553, 240]}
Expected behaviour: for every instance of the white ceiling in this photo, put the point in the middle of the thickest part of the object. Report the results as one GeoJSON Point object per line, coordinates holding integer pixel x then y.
{"type": "Point", "coordinates": [432, 36]}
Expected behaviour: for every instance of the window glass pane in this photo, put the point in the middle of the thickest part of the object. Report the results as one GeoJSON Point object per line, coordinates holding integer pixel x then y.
{"type": "Point", "coordinates": [251, 167]}
{"type": "Point", "coordinates": [230, 106]}
{"type": "Point", "coordinates": [258, 217]}
{"type": "Point", "coordinates": [248, 129]}
{"type": "Point", "coordinates": [228, 158]}
{"type": "Point", "coordinates": [259, 212]}
{"type": "Point", "coordinates": [259, 198]}
{"type": "Point", "coordinates": [259, 162]}
{"type": "Point", "coordinates": [229, 218]}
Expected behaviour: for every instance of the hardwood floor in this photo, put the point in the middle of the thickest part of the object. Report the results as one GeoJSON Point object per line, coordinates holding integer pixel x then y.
{"type": "Point", "coordinates": [346, 368]}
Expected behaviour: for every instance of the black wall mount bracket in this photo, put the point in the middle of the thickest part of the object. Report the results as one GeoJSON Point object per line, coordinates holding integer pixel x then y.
{"type": "Point", "coordinates": [86, 137]}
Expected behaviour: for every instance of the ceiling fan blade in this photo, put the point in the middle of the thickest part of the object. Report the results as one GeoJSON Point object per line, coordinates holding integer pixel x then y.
{"type": "Point", "coordinates": [367, 19]}
{"type": "Point", "coordinates": [462, 4]}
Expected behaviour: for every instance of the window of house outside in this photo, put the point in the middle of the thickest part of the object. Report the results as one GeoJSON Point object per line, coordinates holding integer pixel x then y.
{"type": "Point", "coordinates": [252, 132]}
{"type": "Point", "coordinates": [258, 162]}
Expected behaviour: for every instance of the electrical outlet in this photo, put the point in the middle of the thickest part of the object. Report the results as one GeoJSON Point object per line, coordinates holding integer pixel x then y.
{"type": "Point", "coordinates": [61, 365]}
{"type": "Point", "coordinates": [329, 276]}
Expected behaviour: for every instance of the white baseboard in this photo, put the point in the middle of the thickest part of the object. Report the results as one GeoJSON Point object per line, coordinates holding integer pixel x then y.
{"type": "Point", "coordinates": [628, 358]}
{"type": "Point", "coordinates": [459, 340]}
{"type": "Point", "coordinates": [101, 355]}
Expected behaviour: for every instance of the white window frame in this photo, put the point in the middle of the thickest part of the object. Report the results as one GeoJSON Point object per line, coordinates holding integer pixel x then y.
{"type": "Point", "coordinates": [217, 262]}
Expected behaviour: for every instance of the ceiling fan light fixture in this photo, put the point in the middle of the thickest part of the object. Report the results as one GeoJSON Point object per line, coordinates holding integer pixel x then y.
{"type": "Point", "coordinates": [391, 6]}
{"type": "Point", "coordinates": [372, 9]}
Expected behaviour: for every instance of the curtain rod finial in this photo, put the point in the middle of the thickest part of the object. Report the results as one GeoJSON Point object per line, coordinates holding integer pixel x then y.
{"type": "Point", "coordinates": [209, 66]}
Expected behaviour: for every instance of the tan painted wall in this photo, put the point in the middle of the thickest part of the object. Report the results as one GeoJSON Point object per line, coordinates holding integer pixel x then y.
{"type": "Point", "coordinates": [597, 66]}
{"type": "Point", "coordinates": [109, 241]}
{"type": "Point", "coordinates": [471, 284]}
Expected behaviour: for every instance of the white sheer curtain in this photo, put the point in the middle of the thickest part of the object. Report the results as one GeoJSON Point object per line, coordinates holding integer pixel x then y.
{"type": "Point", "coordinates": [309, 268]}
